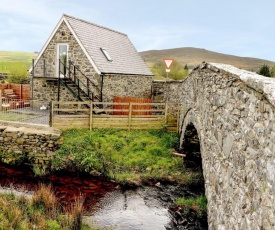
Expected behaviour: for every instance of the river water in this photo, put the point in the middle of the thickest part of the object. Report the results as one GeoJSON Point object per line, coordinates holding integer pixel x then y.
{"type": "Point", "coordinates": [131, 209]}
{"type": "Point", "coordinates": [106, 204]}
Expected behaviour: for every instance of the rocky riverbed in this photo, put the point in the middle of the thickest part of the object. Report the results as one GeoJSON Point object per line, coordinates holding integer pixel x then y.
{"type": "Point", "coordinates": [149, 207]}
{"type": "Point", "coordinates": [108, 204]}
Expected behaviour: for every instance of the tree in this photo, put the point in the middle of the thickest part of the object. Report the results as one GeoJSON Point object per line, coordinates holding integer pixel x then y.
{"type": "Point", "coordinates": [264, 71]}
{"type": "Point", "coordinates": [177, 72]}
{"type": "Point", "coordinates": [273, 71]}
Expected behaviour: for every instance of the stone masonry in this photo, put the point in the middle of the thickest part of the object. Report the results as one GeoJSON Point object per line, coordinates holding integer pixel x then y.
{"type": "Point", "coordinates": [46, 91]}
{"type": "Point", "coordinates": [126, 86]}
{"type": "Point", "coordinates": [45, 71]}
{"type": "Point", "coordinates": [233, 112]}
{"type": "Point", "coordinates": [32, 144]}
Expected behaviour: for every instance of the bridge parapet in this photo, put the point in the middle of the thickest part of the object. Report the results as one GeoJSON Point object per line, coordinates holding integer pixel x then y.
{"type": "Point", "coordinates": [264, 85]}
{"type": "Point", "coordinates": [233, 112]}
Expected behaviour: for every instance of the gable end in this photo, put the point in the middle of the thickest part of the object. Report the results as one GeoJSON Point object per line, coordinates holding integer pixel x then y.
{"type": "Point", "coordinates": [63, 19]}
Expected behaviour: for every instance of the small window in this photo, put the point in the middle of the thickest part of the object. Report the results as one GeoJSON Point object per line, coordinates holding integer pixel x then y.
{"type": "Point", "coordinates": [106, 54]}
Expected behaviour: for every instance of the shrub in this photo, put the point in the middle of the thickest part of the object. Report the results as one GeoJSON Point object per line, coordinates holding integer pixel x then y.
{"type": "Point", "coordinates": [264, 71]}
{"type": "Point", "coordinates": [18, 73]}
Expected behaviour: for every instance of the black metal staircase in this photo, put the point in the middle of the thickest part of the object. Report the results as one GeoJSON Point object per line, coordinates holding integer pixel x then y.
{"type": "Point", "coordinates": [77, 83]}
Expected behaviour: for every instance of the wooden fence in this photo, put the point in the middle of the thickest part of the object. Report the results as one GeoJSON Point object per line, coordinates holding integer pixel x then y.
{"type": "Point", "coordinates": [143, 105]}
{"type": "Point", "coordinates": [22, 91]}
{"type": "Point", "coordinates": [99, 115]}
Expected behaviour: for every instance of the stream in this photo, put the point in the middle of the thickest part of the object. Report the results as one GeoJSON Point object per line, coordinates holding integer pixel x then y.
{"type": "Point", "coordinates": [107, 204]}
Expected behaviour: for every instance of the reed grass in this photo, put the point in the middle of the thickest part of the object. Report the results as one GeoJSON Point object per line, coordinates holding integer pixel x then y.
{"type": "Point", "coordinates": [41, 211]}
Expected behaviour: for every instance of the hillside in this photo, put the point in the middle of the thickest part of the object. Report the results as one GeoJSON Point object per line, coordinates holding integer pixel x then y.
{"type": "Point", "coordinates": [194, 56]}
{"type": "Point", "coordinates": [9, 56]}
{"type": "Point", "coordinates": [186, 55]}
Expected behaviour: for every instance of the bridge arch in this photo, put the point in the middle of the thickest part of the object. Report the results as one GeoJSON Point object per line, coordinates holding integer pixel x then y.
{"type": "Point", "coordinates": [233, 112]}
{"type": "Point", "coordinates": [191, 139]}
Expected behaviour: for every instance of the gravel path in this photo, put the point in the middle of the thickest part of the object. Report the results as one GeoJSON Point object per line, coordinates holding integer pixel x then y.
{"type": "Point", "coordinates": [40, 116]}
{"type": "Point", "coordinates": [43, 119]}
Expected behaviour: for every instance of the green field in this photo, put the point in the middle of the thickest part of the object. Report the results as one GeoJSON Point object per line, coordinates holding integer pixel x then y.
{"type": "Point", "coordinates": [8, 56]}
{"type": "Point", "coordinates": [15, 60]}
{"type": "Point", "coordinates": [7, 67]}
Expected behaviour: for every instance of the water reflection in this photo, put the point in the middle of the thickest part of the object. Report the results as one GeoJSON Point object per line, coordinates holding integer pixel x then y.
{"type": "Point", "coordinates": [67, 186]}
{"type": "Point", "coordinates": [138, 209]}
{"type": "Point", "coordinates": [143, 208]}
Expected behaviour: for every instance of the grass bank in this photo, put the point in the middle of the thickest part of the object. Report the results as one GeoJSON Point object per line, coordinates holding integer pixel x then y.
{"type": "Point", "coordinates": [198, 204]}
{"type": "Point", "coordinates": [128, 157]}
{"type": "Point", "coordinates": [41, 211]}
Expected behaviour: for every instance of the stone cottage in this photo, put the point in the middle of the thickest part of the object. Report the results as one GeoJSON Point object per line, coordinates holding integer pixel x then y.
{"type": "Point", "coordinates": [82, 61]}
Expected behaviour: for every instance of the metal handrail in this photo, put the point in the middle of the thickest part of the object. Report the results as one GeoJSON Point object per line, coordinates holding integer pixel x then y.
{"type": "Point", "coordinates": [71, 74]}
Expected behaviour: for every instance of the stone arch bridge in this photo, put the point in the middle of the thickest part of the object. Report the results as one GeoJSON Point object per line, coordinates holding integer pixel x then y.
{"type": "Point", "coordinates": [232, 111]}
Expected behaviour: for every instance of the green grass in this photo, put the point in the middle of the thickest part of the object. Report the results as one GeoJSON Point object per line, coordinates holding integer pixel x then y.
{"type": "Point", "coordinates": [13, 116]}
{"type": "Point", "coordinates": [198, 204]}
{"type": "Point", "coordinates": [8, 67]}
{"type": "Point", "coordinates": [125, 156]}
{"type": "Point", "coordinates": [15, 61]}
{"type": "Point", "coordinates": [41, 211]}
{"type": "Point", "coordinates": [9, 56]}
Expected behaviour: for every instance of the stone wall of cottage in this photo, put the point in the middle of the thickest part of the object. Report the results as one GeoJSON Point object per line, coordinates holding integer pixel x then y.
{"type": "Point", "coordinates": [75, 54]}
{"type": "Point", "coordinates": [233, 112]}
{"type": "Point", "coordinates": [48, 63]}
{"type": "Point", "coordinates": [46, 90]}
{"type": "Point", "coordinates": [33, 144]}
{"type": "Point", "coordinates": [126, 86]}
{"type": "Point", "coordinates": [46, 67]}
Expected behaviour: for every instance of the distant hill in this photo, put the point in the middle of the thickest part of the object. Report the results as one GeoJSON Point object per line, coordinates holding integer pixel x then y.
{"type": "Point", "coordinates": [187, 55]}
{"type": "Point", "coordinates": [9, 56]}
{"type": "Point", "coordinates": [194, 56]}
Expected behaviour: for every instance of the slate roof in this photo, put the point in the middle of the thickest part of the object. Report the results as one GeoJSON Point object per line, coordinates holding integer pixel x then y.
{"type": "Point", "coordinates": [126, 59]}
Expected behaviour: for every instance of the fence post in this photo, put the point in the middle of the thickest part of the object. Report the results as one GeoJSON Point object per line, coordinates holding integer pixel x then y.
{"type": "Point", "coordinates": [91, 115]}
{"type": "Point", "coordinates": [130, 116]}
{"type": "Point", "coordinates": [51, 114]}
{"type": "Point", "coordinates": [166, 113]}
{"type": "Point", "coordinates": [1, 100]}
{"type": "Point", "coordinates": [178, 118]}
{"type": "Point", "coordinates": [32, 75]}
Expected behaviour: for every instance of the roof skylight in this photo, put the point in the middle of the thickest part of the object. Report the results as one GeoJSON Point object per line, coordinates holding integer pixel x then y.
{"type": "Point", "coordinates": [106, 54]}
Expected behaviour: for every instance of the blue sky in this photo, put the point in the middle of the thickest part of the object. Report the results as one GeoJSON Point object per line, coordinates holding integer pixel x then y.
{"type": "Point", "coordinates": [237, 27]}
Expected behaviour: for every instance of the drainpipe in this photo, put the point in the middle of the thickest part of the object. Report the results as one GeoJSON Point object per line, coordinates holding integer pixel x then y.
{"type": "Point", "coordinates": [101, 94]}
{"type": "Point", "coordinates": [32, 78]}
{"type": "Point", "coordinates": [58, 93]}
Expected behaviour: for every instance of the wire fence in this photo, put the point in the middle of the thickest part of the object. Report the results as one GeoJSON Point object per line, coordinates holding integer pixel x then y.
{"type": "Point", "coordinates": [27, 111]}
